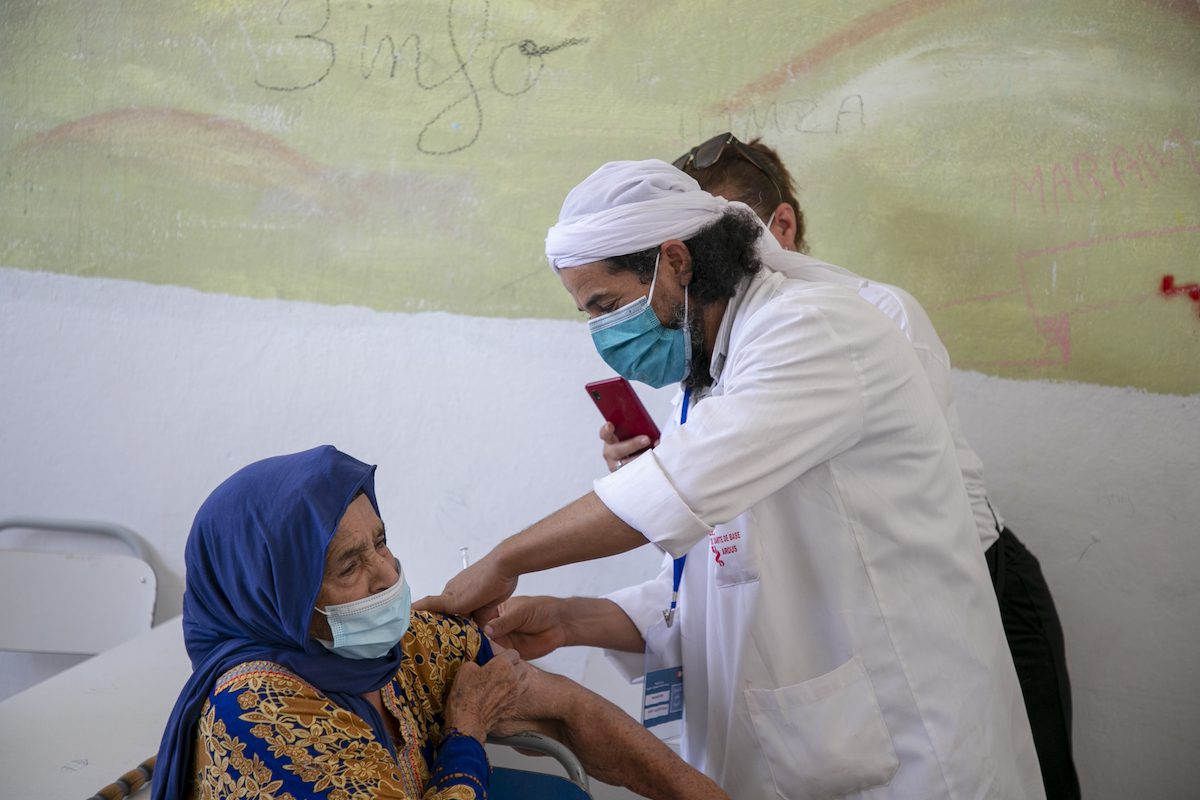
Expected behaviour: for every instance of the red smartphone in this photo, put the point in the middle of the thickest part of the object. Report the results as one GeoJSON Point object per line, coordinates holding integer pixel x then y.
{"type": "Point", "coordinates": [621, 406]}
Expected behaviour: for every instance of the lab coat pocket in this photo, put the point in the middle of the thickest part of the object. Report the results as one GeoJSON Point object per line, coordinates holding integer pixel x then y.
{"type": "Point", "coordinates": [733, 551]}
{"type": "Point", "coordinates": [824, 737]}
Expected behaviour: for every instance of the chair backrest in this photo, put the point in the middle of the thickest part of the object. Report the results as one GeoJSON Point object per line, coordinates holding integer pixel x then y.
{"type": "Point", "coordinates": [508, 783]}
{"type": "Point", "coordinates": [81, 603]}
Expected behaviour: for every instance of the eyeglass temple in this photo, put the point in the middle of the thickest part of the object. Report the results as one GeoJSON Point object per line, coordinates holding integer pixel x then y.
{"type": "Point", "coordinates": [743, 149]}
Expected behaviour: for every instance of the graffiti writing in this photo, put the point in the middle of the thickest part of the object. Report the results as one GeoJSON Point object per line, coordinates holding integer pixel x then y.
{"type": "Point", "coordinates": [306, 51]}
{"type": "Point", "coordinates": [803, 115]}
{"type": "Point", "coordinates": [1094, 176]}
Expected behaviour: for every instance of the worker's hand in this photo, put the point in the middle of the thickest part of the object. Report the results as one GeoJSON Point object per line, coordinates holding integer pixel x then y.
{"type": "Point", "coordinates": [481, 698]}
{"type": "Point", "coordinates": [534, 626]}
{"type": "Point", "coordinates": [616, 453]}
{"type": "Point", "coordinates": [474, 592]}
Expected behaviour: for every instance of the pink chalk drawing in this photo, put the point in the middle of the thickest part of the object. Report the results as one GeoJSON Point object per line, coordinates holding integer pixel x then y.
{"type": "Point", "coordinates": [1094, 176]}
{"type": "Point", "coordinates": [864, 29]}
{"type": "Point", "coordinates": [1051, 319]}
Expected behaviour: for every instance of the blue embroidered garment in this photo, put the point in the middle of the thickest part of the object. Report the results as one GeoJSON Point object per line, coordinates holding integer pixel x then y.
{"type": "Point", "coordinates": [255, 559]}
{"type": "Point", "coordinates": [266, 733]}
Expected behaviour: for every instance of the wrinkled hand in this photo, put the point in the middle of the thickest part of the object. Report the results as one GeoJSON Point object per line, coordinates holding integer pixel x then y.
{"type": "Point", "coordinates": [482, 697]}
{"type": "Point", "coordinates": [541, 709]}
{"type": "Point", "coordinates": [617, 453]}
{"type": "Point", "coordinates": [534, 626]}
{"type": "Point", "coordinates": [474, 592]}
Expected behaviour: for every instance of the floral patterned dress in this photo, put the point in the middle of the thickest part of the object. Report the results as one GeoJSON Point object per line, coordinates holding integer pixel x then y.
{"type": "Point", "coordinates": [266, 733]}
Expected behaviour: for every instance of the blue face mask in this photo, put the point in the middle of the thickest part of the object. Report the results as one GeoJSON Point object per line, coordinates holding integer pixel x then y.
{"type": "Point", "coordinates": [638, 346]}
{"type": "Point", "coordinates": [370, 627]}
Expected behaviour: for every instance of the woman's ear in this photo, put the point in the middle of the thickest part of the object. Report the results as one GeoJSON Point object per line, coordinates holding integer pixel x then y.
{"type": "Point", "coordinates": [675, 256]}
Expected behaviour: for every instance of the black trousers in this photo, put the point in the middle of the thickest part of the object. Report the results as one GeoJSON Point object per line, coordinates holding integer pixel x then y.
{"type": "Point", "coordinates": [1036, 640]}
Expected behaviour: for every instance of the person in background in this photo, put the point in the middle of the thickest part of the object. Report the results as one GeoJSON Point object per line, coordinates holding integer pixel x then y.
{"type": "Point", "coordinates": [754, 174]}
{"type": "Point", "coordinates": [313, 679]}
{"type": "Point", "coordinates": [836, 630]}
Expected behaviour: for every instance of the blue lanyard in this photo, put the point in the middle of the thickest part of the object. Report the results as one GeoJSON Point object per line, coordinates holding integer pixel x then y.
{"type": "Point", "coordinates": [669, 614]}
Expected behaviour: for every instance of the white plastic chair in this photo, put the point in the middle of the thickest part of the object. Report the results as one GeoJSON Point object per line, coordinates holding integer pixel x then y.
{"type": "Point", "coordinates": [74, 603]}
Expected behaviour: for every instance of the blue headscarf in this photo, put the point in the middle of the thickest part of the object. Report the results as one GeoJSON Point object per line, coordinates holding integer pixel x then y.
{"type": "Point", "coordinates": [255, 559]}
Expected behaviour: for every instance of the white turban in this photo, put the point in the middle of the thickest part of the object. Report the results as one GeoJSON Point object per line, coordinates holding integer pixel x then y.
{"type": "Point", "coordinates": [627, 207]}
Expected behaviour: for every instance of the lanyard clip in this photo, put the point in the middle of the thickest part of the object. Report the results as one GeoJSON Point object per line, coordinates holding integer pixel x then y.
{"type": "Point", "coordinates": [669, 615]}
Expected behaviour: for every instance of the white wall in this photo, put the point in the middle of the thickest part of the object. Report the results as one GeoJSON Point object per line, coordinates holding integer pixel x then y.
{"type": "Point", "coordinates": [1103, 485]}
{"type": "Point", "coordinates": [129, 403]}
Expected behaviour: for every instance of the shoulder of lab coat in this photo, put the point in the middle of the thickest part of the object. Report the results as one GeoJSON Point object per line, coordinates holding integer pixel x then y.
{"type": "Point", "coordinates": [790, 397]}
{"type": "Point", "coordinates": [906, 311]}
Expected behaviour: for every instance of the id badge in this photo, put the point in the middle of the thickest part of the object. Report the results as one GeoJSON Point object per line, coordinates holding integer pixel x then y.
{"type": "Point", "coordinates": [662, 690]}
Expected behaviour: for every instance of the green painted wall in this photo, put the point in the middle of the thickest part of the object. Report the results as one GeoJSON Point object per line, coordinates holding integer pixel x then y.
{"type": "Point", "coordinates": [1030, 170]}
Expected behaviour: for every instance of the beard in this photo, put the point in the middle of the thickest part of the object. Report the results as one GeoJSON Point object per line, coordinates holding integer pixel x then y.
{"type": "Point", "coordinates": [698, 375]}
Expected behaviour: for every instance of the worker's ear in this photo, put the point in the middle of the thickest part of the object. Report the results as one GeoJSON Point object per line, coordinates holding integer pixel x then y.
{"type": "Point", "coordinates": [783, 226]}
{"type": "Point", "coordinates": [675, 259]}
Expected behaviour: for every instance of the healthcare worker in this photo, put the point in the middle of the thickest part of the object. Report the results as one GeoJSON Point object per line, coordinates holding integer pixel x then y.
{"type": "Point", "coordinates": [835, 628]}
{"type": "Point", "coordinates": [754, 174]}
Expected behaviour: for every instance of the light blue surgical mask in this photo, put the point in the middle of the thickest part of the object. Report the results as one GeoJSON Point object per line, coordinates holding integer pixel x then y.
{"type": "Point", "coordinates": [370, 627]}
{"type": "Point", "coordinates": [638, 346]}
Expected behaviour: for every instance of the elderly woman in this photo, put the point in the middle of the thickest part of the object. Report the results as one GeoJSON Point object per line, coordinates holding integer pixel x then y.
{"type": "Point", "coordinates": [311, 678]}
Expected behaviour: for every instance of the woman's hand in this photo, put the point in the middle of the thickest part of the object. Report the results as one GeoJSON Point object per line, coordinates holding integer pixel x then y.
{"type": "Point", "coordinates": [534, 626]}
{"type": "Point", "coordinates": [482, 697]}
{"type": "Point", "coordinates": [616, 453]}
{"type": "Point", "coordinates": [541, 710]}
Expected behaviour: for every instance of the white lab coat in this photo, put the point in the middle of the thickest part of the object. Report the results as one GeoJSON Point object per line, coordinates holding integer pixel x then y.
{"type": "Point", "coordinates": [904, 310]}
{"type": "Point", "coordinates": [840, 634]}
